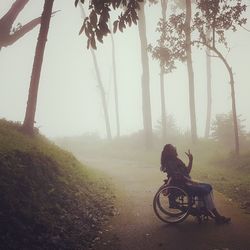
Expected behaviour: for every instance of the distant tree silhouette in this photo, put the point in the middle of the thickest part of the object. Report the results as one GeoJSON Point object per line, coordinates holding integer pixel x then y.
{"type": "Point", "coordinates": [28, 124]}
{"type": "Point", "coordinates": [9, 34]}
{"type": "Point", "coordinates": [175, 44]}
{"type": "Point", "coordinates": [100, 86]}
{"type": "Point", "coordinates": [115, 86]}
{"type": "Point", "coordinates": [222, 130]}
{"type": "Point", "coordinates": [95, 26]}
{"type": "Point", "coordinates": [187, 31]}
{"type": "Point", "coordinates": [164, 4]}
{"type": "Point", "coordinates": [145, 79]}
{"type": "Point", "coordinates": [209, 88]}
{"type": "Point", "coordinates": [220, 16]}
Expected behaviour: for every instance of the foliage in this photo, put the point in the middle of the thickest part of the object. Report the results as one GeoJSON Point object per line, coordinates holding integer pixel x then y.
{"type": "Point", "coordinates": [170, 46]}
{"type": "Point", "coordinates": [222, 130]}
{"type": "Point", "coordinates": [95, 25]}
{"type": "Point", "coordinates": [172, 129]}
{"type": "Point", "coordinates": [219, 16]}
{"type": "Point", "coordinates": [48, 199]}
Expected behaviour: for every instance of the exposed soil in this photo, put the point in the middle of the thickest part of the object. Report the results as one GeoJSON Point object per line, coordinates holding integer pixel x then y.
{"type": "Point", "coordinates": [135, 227]}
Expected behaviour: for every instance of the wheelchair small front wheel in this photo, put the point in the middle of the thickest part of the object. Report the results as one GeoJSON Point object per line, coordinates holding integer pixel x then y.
{"type": "Point", "coordinates": [171, 204]}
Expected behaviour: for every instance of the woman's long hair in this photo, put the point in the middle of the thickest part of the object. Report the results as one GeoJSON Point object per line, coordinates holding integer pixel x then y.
{"type": "Point", "coordinates": [166, 154]}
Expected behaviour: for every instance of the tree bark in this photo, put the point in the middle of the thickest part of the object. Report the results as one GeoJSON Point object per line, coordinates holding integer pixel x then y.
{"type": "Point", "coordinates": [115, 87]}
{"type": "Point", "coordinates": [103, 97]}
{"type": "Point", "coordinates": [28, 124]}
{"type": "Point", "coordinates": [234, 112]}
{"type": "Point", "coordinates": [146, 106]}
{"type": "Point", "coordinates": [235, 121]}
{"type": "Point", "coordinates": [162, 82]}
{"type": "Point", "coordinates": [6, 22]}
{"type": "Point", "coordinates": [209, 88]}
{"type": "Point", "coordinates": [100, 85]}
{"type": "Point", "coordinates": [190, 72]}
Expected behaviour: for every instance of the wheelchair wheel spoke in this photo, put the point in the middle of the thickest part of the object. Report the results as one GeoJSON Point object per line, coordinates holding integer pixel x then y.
{"type": "Point", "coordinates": [171, 204]}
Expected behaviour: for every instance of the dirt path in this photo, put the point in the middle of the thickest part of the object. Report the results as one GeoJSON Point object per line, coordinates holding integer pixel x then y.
{"type": "Point", "coordinates": [135, 227]}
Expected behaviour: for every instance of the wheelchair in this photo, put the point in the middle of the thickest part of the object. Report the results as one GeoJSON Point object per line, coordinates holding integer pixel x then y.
{"type": "Point", "coordinates": [173, 203]}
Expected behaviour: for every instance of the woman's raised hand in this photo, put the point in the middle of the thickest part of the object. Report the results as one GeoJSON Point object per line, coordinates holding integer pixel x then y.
{"type": "Point", "coordinates": [189, 155]}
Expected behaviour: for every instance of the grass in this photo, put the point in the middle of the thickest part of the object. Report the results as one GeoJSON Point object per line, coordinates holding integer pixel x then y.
{"type": "Point", "coordinates": [212, 162]}
{"type": "Point", "coordinates": [49, 200]}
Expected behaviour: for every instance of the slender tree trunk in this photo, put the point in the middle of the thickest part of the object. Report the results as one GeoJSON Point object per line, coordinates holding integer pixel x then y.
{"type": "Point", "coordinates": [101, 87]}
{"type": "Point", "coordinates": [163, 106]}
{"type": "Point", "coordinates": [236, 133]}
{"type": "Point", "coordinates": [146, 106]}
{"type": "Point", "coordinates": [190, 72]}
{"type": "Point", "coordinates": [103, 96]}
{"type": "Point", "coordinates": [28, 124]}
{"type": "Point", "coordinates": [209, 89]}
{"type": "Point", "coordinates": [162, 83]}
{"type": "Point", "coordinates": [115, 87]}
{"type": "Point", "coordinates": [234, 112]}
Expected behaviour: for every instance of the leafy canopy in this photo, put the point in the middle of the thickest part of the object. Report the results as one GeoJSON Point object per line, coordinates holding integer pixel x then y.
{"type": "Point", "coordinates": [217, 16]}
{"type": "Point", "coordinates": [95, 25]}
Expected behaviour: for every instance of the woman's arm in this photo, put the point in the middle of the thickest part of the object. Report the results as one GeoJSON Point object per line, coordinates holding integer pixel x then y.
{"type": "Point", "coordinates": [190, 164]}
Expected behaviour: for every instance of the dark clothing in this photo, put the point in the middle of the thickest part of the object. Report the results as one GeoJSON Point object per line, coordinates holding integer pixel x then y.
{"type": "Point", "coordinates": [199, 189]}
{"type": "Point", "coordinates": [176, 167]}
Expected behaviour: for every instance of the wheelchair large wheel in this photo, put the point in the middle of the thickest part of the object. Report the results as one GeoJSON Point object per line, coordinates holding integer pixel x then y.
{"type": "Point", "coordinates": [171, 204]}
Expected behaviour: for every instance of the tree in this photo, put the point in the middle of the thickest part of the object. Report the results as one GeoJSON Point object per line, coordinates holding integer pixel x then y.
{"type": "Point", "coordinates": [28, 124]}
{"type": "Point", "coordinates": [145, 85]}
{"type": "Point", "coordinates": [222, 130]}
{"type": "Point", "coordinates": [95, 27]}
{"type": "Point", "coordinates": [220, 16]}
{"type": "Point", "coordinates": [174, 45]}
{"type": "Point", "coordinates": [162, 82]}
{"type": "Point", "coordinates": [115, 87]}
{"type": "Point", "coordinates": [103, 96]}
{"type": "Point", "coordinates": [8, 34]}
{"type": "Point", "coordinates": [101, 87]}
{"type": "Point", "coordinates": [187, 31]}
{"type": "Point", "coordinates": [209, 88]}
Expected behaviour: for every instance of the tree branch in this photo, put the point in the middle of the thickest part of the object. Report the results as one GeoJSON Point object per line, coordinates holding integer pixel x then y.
{"type": "Point", "coordinates": [10, 39]}
{"type": "Point", "coordinates": [8, 19]}
{"type": "Point", "coordinates": [214, 49]}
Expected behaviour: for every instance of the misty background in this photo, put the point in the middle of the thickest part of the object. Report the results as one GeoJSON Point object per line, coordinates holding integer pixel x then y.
{"type": "Point", "coordinates": [69, 101]}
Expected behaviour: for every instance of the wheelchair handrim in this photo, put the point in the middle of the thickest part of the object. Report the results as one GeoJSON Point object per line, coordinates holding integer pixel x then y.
{"type": "Point", "coordinates": [173, 217]}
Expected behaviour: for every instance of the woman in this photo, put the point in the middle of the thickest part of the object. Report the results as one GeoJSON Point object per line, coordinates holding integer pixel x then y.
{"type": "Point", "coordinates": [177, 170]}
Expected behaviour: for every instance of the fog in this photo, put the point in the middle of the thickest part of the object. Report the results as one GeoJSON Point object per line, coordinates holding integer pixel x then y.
{"type": "Point", "coordinates": [69, 100]}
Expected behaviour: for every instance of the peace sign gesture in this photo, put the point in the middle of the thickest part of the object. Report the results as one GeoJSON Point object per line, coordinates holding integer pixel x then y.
{"type": "Point", "coordinates": [189, 155]}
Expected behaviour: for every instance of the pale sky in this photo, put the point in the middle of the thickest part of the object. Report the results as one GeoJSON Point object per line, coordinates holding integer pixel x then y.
{"type": "Point", "coordinates": [69, 101]}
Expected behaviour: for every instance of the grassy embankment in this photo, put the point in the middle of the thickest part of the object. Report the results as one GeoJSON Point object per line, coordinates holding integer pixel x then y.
{"type": "Point", "coordinates": [212, 162]}
{"type": "Point", "coordinates": [49, 200]}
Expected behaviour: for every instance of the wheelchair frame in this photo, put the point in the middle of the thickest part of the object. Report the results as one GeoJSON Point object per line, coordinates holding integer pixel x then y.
{"type": "Point", "coordinates": [173, 204]}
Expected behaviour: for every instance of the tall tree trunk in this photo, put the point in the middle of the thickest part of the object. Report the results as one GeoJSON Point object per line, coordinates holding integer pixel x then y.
{"type": "Point", "coordinates": [115, 87]}
{"type": "Point", "coordinates": [28, 124]}
{"type": "Point", "coordinates": [103, 96]}
{"type": "Point", "coordinates": [234, 112]}
{"type": "Point", "coordinates": [236, 133]}
{"type": "Point", "coordinates": [146, 106]}
{"type": "Point", "coordinates": [162, 83]}
{"type": "Point", "coordinates": [209, 88]}
{"type": "Point", "coordinates": [101, 87]}
{"type": "Point", "coordinates": [190, 71]}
